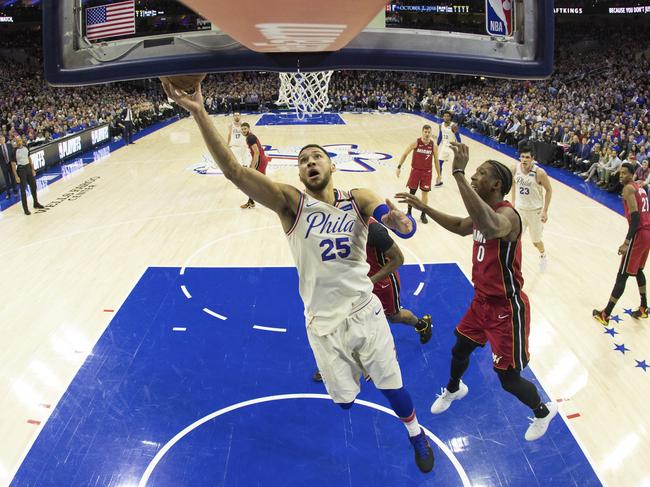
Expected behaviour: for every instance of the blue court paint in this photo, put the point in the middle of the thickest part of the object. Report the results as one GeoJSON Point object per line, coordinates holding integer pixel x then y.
{"type": "Point", "coordinates": [610, 200]}
{"type": "Point", "coordinates": [144, 383]}
{"type": "Point", "coordinates": [289, 118]}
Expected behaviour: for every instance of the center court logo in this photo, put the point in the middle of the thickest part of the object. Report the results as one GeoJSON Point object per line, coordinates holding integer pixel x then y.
{"type": "Point", "coordinates": [347, 157]}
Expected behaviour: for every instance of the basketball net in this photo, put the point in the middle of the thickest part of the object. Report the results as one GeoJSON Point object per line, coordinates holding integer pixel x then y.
{"type": "Point", "coordinates": [306, 93]}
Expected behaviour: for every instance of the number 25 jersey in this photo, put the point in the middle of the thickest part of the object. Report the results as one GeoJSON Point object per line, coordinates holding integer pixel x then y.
{"type": "Point", "coordinates": [328, 243]}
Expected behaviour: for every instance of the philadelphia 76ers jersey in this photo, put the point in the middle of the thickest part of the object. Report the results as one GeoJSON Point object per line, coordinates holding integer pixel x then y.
{"type": "Point", "coordinates": [328, 243]}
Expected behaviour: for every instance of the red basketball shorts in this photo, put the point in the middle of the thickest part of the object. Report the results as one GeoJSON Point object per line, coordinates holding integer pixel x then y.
{"type": "Point", "coordinates": [505, 323]}
{"type": "Point", "coordinates": [420, 178]}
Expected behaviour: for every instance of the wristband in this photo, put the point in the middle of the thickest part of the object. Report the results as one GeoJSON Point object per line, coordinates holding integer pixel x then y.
{"type": "Point", "coordinates": [380, 211]}
{"type": "Point", "coordinates": [411, 233]}
{"type": "Point", "coordinates": [458, 171]}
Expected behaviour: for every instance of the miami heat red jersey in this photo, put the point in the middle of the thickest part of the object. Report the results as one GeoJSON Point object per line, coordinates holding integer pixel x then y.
{"type": "Point", "coordinates": [643, 206]}
{"type": "Point", "coordinates": [379, 241]}
{"type": "Point", "coordinates": [496, 265]}
{"type": "Point", "coordinates": [423, 156]}
{"type": "Point", "coordinates": [251, 140]}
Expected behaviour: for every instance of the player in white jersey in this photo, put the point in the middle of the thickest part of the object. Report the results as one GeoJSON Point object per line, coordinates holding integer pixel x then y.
{"type": "Point", "coordinates": [327, 231]}
{"type": "Point", "coordinates": [447, 133]}
{"type": "Point", "coordinates": [237, 141]}
{"type": "Point", "coordinates": [531, 195]}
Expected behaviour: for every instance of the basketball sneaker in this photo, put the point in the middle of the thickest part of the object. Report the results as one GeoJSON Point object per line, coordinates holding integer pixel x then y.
{"type": "Point", "coordinates": [445, 398]}
{"type": "Point", "coordinates": [424, 329]}
{"type": "Point", "coordinates": [538, 426]}
{"type": "Point", "coordinates": [543, 262]}
{"type": "Point", "coordinates": [423, 218]}
{"type": "Point", "coordinates": [600, 317]}
{"type": "Point", "coordinates": [423, 451]}
{"type": "Point", "coordinates": [642, 312]}
{"type": "Point", "coordinates": [438, 185]}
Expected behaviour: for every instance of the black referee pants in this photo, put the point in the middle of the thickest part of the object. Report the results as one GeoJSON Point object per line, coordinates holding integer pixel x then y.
{"type": "Point", "coordinates": [26, 177]}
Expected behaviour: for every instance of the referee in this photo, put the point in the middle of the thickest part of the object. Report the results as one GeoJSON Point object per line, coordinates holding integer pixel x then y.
{"type": "Point", "coordinates": [25, 174]}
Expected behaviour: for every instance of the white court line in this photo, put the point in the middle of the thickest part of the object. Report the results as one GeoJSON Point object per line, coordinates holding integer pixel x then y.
{"type": "Point", "coordinates": [268, 328]}
{"type": "Point", "coordinates": [417, 291]}
{"type": "Point", "coordinates": [179, 328]}
{"type": "Point", "coordinates": [186, 292]}
{"type": "Point", "coordinates": [230, 235]}
{"type": "Point", "coordinates": [417, 259]}
{"type": "Point", "coordinates": [163, 451]}
{"type": "Point", "coordinates": [216, 315]}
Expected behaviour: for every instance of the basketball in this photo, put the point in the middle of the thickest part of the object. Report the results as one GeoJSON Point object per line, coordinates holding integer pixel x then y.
{"type": "Point", "coordinates": [186, 83]}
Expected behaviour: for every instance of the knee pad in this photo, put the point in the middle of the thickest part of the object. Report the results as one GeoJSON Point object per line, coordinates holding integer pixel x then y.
{"type": "Point", "coordinates": [508, 378]}
{"type": "Point", "coordinates": [619, 285]}
{"type": "Point", "coordinates": [463, 347]}
{"type": "Point", "coordinates": [640, 278]}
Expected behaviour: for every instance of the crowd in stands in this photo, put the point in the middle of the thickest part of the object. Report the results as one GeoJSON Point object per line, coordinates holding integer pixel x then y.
{"type": "Point", "coordinates": [38, 113]}
{"type": "Point", "coordinates": [595, 113]}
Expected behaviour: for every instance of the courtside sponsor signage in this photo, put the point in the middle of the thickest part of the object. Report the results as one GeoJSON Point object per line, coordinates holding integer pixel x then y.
{"type": "Point", "coordinates": [498, 17]}
{"type": "Point", "coordinates": [69, 147]}
{"type": "Point", "coordinates": [47, 155]}
{"type": "Point", "coordinates": [99, 135]}
{"type": "Point", "coordinates": [38, 159]}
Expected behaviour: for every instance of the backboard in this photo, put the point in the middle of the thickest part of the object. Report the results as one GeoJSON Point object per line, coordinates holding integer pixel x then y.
{"type": "Point", "coordinates": [392, 40]}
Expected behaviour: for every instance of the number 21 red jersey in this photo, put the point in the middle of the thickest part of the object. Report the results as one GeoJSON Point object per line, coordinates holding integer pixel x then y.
{"type": "Point", "coordinates": [642, 206]}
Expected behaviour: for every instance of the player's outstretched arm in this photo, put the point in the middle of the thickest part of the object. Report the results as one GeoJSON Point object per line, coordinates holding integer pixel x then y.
{"type": "Point", "coordinates": [281, 198]}
{"type": "Point", "coordinates": [385, 212]}
{"type": "Point", "coordinates": [490, 223]}
{"type": "Point", "coordinates": [408, 150]}
{"type": "Point", "coordinates": [455, 224]}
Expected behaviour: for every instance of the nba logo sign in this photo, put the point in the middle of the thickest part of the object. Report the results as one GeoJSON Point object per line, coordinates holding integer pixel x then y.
{"type": "Point", "coordinates": [498, 17]}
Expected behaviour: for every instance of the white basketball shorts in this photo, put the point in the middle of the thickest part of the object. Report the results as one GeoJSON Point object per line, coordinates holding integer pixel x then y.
{"type": "Point", "coordinates": [531, 219]}
{"type": "Point", "coordinates": [361, 343]}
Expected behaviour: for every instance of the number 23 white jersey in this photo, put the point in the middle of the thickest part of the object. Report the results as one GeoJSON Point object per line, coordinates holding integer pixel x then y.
{"type": "Point", "coordinates": [328, 244]}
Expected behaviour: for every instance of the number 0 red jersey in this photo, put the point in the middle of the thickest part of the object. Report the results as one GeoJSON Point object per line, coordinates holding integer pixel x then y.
{"type": "Point", "coordinates": [496, 265]}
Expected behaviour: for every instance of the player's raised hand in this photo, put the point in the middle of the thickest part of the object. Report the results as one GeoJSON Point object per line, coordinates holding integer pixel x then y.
{"type": "Point", "coordinates": [461, 155]}
{"type": "Point", "coordinates": [411, 200]}
{"type": "Point", "coordinates": [192, 102]}
{"type": "Point", "coordinates": [396, 219]}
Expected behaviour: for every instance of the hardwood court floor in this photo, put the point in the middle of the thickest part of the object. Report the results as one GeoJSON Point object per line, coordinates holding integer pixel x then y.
{"type": "Point", "coordinates": [65, 270]}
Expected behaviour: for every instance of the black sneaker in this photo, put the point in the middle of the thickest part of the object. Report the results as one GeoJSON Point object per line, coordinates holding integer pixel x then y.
{"type": "Point", "coordinates": [38, 206]}
{"type": "Point", "coordinates": [423, 451]}
{"type": "Point", "coordinates": [423, 218]}
{"type": "Point", "coordinates": [317, 377]}
{"type": "Point", "coordinates": [600, 317]}
{"type": "Point", "coordinates": [642, 312]}
{"type": "Point", "coordinates": [424, 329]}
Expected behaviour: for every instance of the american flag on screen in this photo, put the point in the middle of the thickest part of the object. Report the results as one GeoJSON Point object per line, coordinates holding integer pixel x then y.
{"type": "Point", "coordinates": [111, 20]}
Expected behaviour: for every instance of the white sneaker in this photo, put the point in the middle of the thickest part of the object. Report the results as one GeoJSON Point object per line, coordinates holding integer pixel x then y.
{"type": "Point", "coordinates": [543, 262]}
{"type": "Point", "coordinates": [445, 398]}
{"type": "Point", "coordinates": [538, 426]}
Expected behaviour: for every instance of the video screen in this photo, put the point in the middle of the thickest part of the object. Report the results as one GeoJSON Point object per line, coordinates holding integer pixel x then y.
{"type": "Point", "coordinates": [118, 19]}
{"type": "Point", "coordinates": [466, 16]}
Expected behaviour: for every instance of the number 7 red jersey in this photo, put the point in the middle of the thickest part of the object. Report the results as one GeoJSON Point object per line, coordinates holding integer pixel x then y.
{"type": "Point", "coordinates": [496, 265]}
